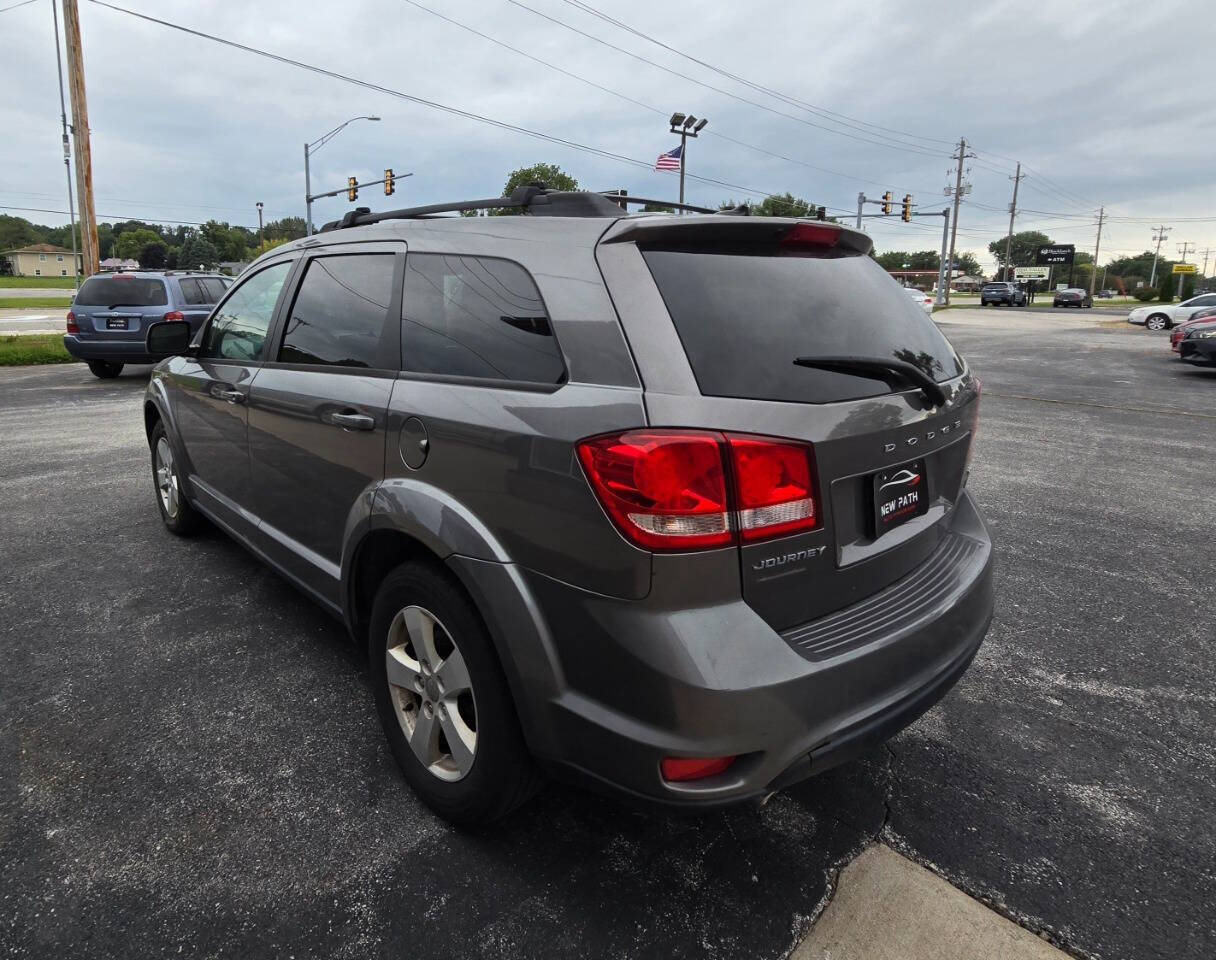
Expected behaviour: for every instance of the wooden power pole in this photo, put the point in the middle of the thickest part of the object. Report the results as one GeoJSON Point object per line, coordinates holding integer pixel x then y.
{"type": "Point", "coordinates": [80, 138]}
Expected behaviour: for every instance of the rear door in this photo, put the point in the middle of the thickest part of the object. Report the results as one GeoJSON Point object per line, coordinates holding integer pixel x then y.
{"type": "Point", "coordinates": [318, 406]}
{"type": "Point", "coordinates": [196, 300]}
{"type": "Point", "coordinates": [739, 306]}
{"type": "Point", "coordinates": [120, 306]}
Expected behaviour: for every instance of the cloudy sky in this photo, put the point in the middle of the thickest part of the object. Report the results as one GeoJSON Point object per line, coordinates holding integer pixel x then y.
{"type": "Point", "coordinates": [1098, 102]}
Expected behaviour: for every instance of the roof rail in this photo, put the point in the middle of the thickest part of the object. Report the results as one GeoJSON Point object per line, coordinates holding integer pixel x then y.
{"type": "Point", "coordinates": [533, 198]}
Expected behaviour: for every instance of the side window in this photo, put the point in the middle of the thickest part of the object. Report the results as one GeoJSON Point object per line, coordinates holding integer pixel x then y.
{"type": "Point", "coordinates": [1207, 301]}
{"type": "Point", "coordinates": [476, 317]}
{"type": "Point", "coordinates": [213, 289]}
{"type": "Point", "coordinates": [340, 315]}
{"type": "Point", "coordinates": [192, 291]}
{"type": "Point", "coordinates": [238, 329]}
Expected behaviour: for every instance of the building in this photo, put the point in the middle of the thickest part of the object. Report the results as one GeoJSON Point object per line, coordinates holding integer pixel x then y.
{"type": "Point", "coordinates": [112, 264]}
{"type": "Point", "coordinates": [43, 260]}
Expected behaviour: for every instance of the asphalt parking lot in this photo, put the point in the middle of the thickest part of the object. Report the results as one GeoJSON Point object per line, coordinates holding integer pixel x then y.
{"type": "Point", "coordinates": [190, 763]}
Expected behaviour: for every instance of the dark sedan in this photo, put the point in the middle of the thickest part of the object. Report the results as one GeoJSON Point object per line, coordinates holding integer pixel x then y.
{"type": "Point", "coordinates": [1199, 344]}
{"type": "Point", "coordinates": [1074, 297]}
{"type": "Point", "coordinates": [1179, 332]}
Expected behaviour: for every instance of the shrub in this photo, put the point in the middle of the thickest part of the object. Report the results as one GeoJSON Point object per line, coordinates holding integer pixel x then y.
{"type": "Point", "coordinates": [1145, 294]}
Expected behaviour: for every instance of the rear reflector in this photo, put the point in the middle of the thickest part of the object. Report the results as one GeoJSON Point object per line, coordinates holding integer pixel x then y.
{"type": "Point", "coordinates": [679, 769]}
{"type": "Point", "coordinates": [73, 327]}
{"type": "Point", "coordinates": [670, 489]}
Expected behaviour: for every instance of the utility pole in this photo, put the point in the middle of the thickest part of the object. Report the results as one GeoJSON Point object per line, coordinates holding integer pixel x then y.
{"type": "Point", "coordinates": [1207, 252]}
{"type": "Point", "coordinates": [961, 156]}
{"type": "Point", "coordinates": [1184, 248]}
{"type": "Point", "coordinates": [1093, 273]}
{"type": "Point", "coordinates": [67, 149]}
{"type": "Point", "coordinates": [259, 224]}
{"type": "Point", "coordinates": [1159, 234]}
{"type": "Point", "coordinates": [861, 202]}
{"type": "Point", "coordinates": [80, 131]}
{"type": "Point", "coordinates": [943, 278]}
{"type": "Point", "coordinates": [1013, 209]}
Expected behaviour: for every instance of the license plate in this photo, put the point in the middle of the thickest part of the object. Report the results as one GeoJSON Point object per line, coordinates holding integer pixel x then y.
{"type": "Point", "coordinates": [116, 323]}
{"type": "Point", "coordinates": [899, 495]}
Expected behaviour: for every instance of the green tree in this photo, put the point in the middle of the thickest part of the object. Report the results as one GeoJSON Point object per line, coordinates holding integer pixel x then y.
{"type": "Point", "coordinates": [550, 174]}
{"type": "Point", "coordinates": [904, 260]}
{"type": "Point", "coordinates": [783, 205]}
{"type": "Point", "coordinates": [967, 263]}
{"type": "Point", "coordinates": [1022, 249]}
{"type": "Point", "coordinates": [1165, 285]}
{"type": "Point", "coordinates": [657, 208]}
{"type": "Point", "coordinates": [131, 242]}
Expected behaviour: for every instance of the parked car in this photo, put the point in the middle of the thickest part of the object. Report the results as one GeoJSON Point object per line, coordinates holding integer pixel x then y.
{"type": "Point", "coordinates": [1163, 316]}
{"type": "Point", "coordinates": [111, 313]}
{"type": "Point", "coordinates": [1199, 316]}
{"type": "Point", "coordinates": [1072, 297]}
{"type": "Point", "coordinates": [1009, 294]}
{"type": "Point", "coordinates": [1107, 294]}
{"type": "Point", "coordinates": [1198, 345]}
{"type": "Point", "coordinates": [920, 298]}
{"type": "Point", "coordinates": [675, 506]}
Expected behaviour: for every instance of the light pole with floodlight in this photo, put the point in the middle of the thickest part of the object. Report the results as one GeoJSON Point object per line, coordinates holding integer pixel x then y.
{"type": "Point", "coordinates": [684, 126]}
{"type": "Point", "coordinates": [311, 148]}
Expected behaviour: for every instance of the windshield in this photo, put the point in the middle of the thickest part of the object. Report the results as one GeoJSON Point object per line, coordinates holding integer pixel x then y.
{"type": "Point", "coordinates": [744, 319]}
{"type": "Point", "coordinates": [122, 291]}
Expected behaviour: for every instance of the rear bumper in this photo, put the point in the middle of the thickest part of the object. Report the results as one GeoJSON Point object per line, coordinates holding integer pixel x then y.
{"type": "Point", "coordinates": [1198, 351]}
{"type": "Point", "coordinates": [641, 680]}
{"type": "Point", "coordinates": [116, 351]}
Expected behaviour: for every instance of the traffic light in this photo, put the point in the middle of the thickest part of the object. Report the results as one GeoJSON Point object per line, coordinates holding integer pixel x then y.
{"type": "Point", "coordinates": [388, 182]}
{"type": "Point", "coordinates": [907, 214]}
{"type": "Point", "coordinates": [886, 203]}
{"type": "Point", "coordinates": [352, 189]}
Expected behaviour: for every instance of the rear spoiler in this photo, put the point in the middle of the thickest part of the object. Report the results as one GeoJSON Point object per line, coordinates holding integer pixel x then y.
{"type": "Point", "coordinates": [716, 230]}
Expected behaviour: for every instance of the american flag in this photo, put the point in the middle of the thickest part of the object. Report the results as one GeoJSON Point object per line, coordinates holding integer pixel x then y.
{"type": "Point", "coordinates": [670, 160]}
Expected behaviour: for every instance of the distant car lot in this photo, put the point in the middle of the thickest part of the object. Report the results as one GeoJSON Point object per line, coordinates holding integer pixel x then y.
{"type": "Point", "coordinates": [200, 750]}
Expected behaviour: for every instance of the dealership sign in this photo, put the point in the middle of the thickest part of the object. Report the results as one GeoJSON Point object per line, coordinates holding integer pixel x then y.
{"type": "Point", "coordinates": [1031, 273]}
{"type": "Point", "coordinates": [1055, 254]}
{"type": "Point", "coordinates": [1185, 268]}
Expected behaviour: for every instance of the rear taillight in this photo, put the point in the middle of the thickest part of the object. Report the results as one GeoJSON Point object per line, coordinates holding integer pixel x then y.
{"type": "Point", "coordinates": [175, 315]}
{"type": "Point", "coordinates": [73, 327]}
{"type": "Point", "coordinates": [775, 492]}
{"type": "Point", "coordinates": [809, 235]}
{"type": "Point", "coordinates": [673, 490]}
{"type": "Point", "coordinates": [681, 769]}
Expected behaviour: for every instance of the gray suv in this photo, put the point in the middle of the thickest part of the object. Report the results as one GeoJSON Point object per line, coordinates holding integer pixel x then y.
{"type": "Point", "coordinates": [673, 506]}
{"type": "Point", "coordinates": [111, 313]}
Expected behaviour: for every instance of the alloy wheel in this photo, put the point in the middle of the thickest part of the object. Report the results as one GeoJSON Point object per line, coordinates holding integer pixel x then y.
{"type": "Point", "coordinates": [166, 478]}
{"type": "Point", "coordinates": [432, 693]}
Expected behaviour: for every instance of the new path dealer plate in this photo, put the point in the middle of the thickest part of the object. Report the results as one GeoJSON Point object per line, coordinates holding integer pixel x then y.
{"type": "Point", "coordinates": [899, 495]}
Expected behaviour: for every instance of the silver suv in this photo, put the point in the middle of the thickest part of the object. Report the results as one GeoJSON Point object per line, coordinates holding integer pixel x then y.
{"type": "Point", "coordinates": [669, 505]}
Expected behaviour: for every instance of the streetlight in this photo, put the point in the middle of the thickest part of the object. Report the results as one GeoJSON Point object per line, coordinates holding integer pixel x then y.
{"type": "Point", "coordinates": [686, 126]}
{"type": "Point", "coordinates": [309, 149]}
{"type": "Point", "coordinates": [259, 206]}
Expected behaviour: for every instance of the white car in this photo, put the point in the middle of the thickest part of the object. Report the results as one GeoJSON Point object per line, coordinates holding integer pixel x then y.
{"type": "Point", "coordinates": [1162, 316]}
{"type": "Point", "coordinates": [922, 299]}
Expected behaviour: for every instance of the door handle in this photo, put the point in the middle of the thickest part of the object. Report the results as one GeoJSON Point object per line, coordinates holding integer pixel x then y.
{"type": "Point", "coordinates": [353, 421]}
{"type": "Point", "coordinates": [233, 396]}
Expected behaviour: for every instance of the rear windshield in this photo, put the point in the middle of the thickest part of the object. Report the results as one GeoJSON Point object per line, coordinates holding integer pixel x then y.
{"type": "Point", "coordinates": [996, 286]}
{"type": "Point", "coordinates": [122, 292]}
{"type": "Point", "coordinates": [744, 319]}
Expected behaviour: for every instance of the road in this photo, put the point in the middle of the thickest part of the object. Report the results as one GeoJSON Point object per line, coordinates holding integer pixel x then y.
{"type": "Point", "coordinates": [192, 764]}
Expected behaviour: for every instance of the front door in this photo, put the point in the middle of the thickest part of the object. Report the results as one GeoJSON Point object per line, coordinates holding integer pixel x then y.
{"type": "Point", "coordinates": [211, 390]}
{"type": "Point", "coordinates": [318, 406]}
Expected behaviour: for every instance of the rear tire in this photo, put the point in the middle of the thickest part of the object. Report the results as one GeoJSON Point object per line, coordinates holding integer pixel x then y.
{"type": "Point", "coordinates": [178, 516]}
{"type": "Point", "coordinates": [460, 747]}
{"type": "Point", "coordinates": [104, 369]}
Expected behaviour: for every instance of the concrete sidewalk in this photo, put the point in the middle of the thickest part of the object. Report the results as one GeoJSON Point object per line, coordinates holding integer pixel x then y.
{"type": "Point", "coordinates": [888, 908]}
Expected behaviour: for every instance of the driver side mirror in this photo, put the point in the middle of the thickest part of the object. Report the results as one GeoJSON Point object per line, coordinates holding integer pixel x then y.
{"type": "Point", "coordinates": [168, 338]}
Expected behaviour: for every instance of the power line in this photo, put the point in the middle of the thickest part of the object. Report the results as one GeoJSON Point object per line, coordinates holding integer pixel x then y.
{"type": "Point", "coordinates": [845, 119]}
{"type": "Point", "coordinates": [111, 216]}
{"type": "Point", "coordinates": [710, 86]}
{"type": "Point", "coordinates": [23, 3]}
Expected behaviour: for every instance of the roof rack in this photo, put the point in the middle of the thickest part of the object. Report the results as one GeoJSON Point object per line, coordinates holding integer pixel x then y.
{"type": "Point", "coordinates": [534, 199]}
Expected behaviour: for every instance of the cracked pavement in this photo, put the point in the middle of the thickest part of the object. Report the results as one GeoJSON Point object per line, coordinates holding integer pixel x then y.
{"type": "Point", "coordinates": [190, 762]}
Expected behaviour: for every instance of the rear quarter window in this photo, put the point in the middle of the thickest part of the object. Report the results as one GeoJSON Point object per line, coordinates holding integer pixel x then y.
{"type": "Point", "coordinates": [744, 319]}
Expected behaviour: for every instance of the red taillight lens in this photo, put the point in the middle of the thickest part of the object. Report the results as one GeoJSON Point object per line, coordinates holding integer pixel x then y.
{"type": "Point", "coordinates": [775, 486]}
{"type": "Point", "coordinates": [663, 489]}
{"type": "Point", "coordinates": [677, 769]}
{"type": "Point", "coordinates": [73, 327]}
{"type": "Point", "coordinates": [175, 315]}
{"type": "Point", "coordinates": [669, 489]}
{"type": "Point", "coordinates": [803, 235]}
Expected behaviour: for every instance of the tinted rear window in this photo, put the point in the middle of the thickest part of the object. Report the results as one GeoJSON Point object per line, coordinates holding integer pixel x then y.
{"type": "Point", "coordinates": [744, 319]}
{"type": "Point", "coordinates": [122, 292]}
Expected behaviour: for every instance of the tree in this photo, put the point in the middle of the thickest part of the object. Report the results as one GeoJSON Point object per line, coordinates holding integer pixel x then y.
{"type": "Point", "coordinates": [1022, 251]}
{"type": "Point", "coordinates": [1165, 285]}
{"type": "Point", "coordinates": [549, 174]}
{"type": "Point", "coordinates": [903, 260]}
{"type": "Point", "coordinates": [657, 208]}
{"type": "Point", "coordinates": [131, 242]}
{"type": "Point", "coordinates": [153, 255]}
{"type": "Point", "coordinates": [783, 205]}
{"type": "Point", "coordinates": [967, 263]}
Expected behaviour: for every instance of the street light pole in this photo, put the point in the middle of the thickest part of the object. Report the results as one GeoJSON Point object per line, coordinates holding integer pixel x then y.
{"type": "Point", "coordinates": [311, 148]}
{"type": "Point", "coordinates": [684, 126]}
{"type": "Point", "coordinates": [259, 206]}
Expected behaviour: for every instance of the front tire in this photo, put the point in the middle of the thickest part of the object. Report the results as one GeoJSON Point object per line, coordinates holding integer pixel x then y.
{"type": "Point", "coordinates": [104, 369]}
{"type": "Point", "coordinates": [178, 516]}
{"type": "Point", "coordinates": [1158, 321]}
{"type": "Point", "coordinates": [443, 700]}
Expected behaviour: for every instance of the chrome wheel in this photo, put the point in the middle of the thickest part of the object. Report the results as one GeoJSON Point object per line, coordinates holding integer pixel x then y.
{"type": "Point", "coordinates": [166, 479]}
{"type": "Point", "coordinates": [432, 693]}
{"type": "Point", "coordinates": [1155, 323]}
